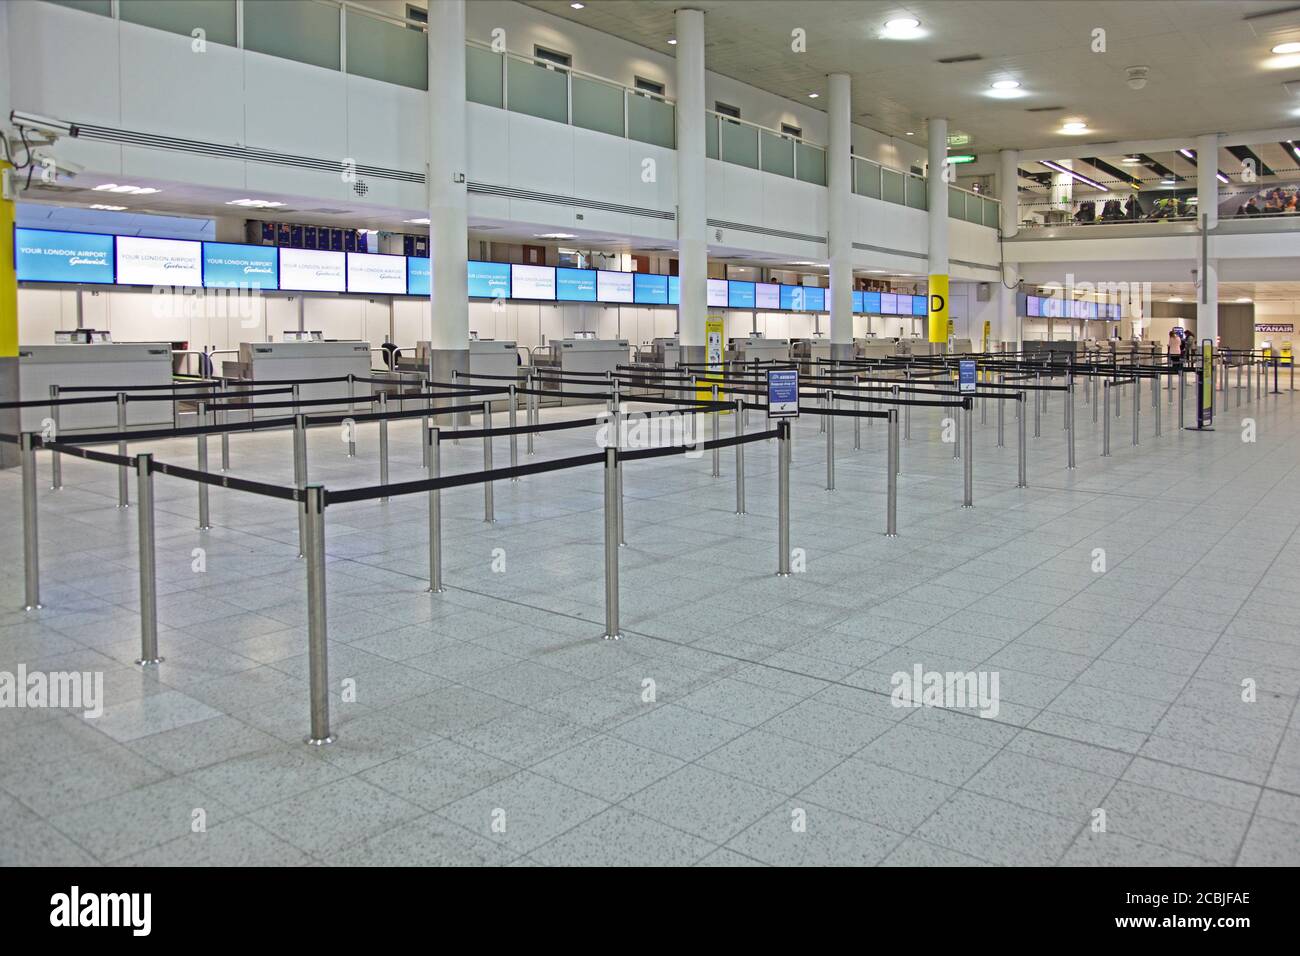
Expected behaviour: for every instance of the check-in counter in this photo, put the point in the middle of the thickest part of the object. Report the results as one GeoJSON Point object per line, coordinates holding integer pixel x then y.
{"type": "Point", "coordinates": [960, 347]}
{"type": "Point", "coordinates": [112, 365]}
{"type": "Point", "coordinates": [756, 348]}
{"type": "Point", "coordinates": [806, 352]}
{"type": "Point", "coordinates": [280, 361]}
{"type": "Point", "coordinates": [486, 357]}
{"type": "Point", "coordinates": [583, 356]}
{"type": "Point", "coordinates": [875, 348]}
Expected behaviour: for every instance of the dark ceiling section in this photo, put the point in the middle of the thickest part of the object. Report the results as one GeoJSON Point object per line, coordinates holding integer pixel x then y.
{"type": "Point", "coordinates": [1163, 171]}
{"type": "Point", "coordinates": [1292, 152]}
{"type": "Point", "coordinates": [1245, 153]}
{"type": "Point", "coordinates": [1038, 176]}
{"type": "Point", "coordinates": [1111, 173]}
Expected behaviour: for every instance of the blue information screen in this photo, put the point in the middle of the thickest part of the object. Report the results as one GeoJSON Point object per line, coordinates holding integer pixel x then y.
{"type": "Point", "coordinates": [857, 301]}
{"type": "Point", "coordinates": [488, 280]}
{"type": "Point", "coordinates": [966, 375]}
{"type": "Point", "coordinates": [920, 305]}
{"type": "Point", "coordinates": [42, 255]}
{"type": "Point", "coordinates": [782, 393]}
{"type": "Point", "coordinates": [674, 290]}
{"type": "Point", "coordinates": [649, 289]}
{"type": "Point", "coordinates": [871, 303]}
{"type": "Point", "coordinates": [418, 279]}
{"type": "Point", "coordinates": [792, 298]}
{"type": "Point", "coordinates": [740, 295]}
{"type": "Point", "coordinates": [814, 299]}
{"type": "Point", "coordinates": [229, 265]}
{"type": "Point", "coordinates": [575, 285]}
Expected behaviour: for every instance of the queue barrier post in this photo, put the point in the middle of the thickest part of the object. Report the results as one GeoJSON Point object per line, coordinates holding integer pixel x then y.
{"type": "Point", "coordinates": [123, 496]}
{"type": "Point", "coordinates": [352, 410]}
{"type": "Point", "coordinates": [891, 478]}
{"type": "Point", "coordinates": [968, 466]}
{"type": "Point", "coordinates": [1105, 427]}
{"type": "Point", "coordinates": [783, 499]}
{"type": "Point", "coordinates": [224, 419]}
{"type": "Point", "coordinates": [1002, 416]}
{"type": "Point", "coordinates": [1069, 420]}
{"type": "Point", "coordinates": [149, 656]}
{"type": "Point", "coordinates": [424, 421]}
{"type": "Point", "coordinates": [956, 437]}
{"type": "Point", "coordinates": [717, 452]}
{"type": "Point", "coordinates": [1137, 405]}
{"type": "Point", "coordinates": [435, 510]}
{"type": "Point", "coordinates": [313, 509]}
{"type": "Point", "coordinates": [1250, 368]}
{"type": "Point", "coordinates": [383, 441]}
{"type": "Point", "coordinates": [857, 419]}
{"type": "Point", "coordinates": [531, 411]}
{"type": "Point", "coordinates": [205, 522]}
{"type": "Point", "coordinates": [1038, 404]}
{"type": "Point", "coordinates": [489, 505]}
{"type": "Point", "coordinates": [828, 422]}
{"type": "Point", "coordinates": [300, 475]}
{"type": "Point", "coordinates": [512, 420]}
{"type": "Point", "coordinates": [31, 541]}
{"type": "Point", "coordinates": [740, 457]}
{"type": "Point", "coordinates": [907, 409]}
{"type": "Point", "coordinates": [56, 460]}
{"type": "Point", "coordinates": [1156, 390]}
{"type": "Point", "coordinates": [1022, 463]}
{"type": "Point", "coordinates": [611, 543]}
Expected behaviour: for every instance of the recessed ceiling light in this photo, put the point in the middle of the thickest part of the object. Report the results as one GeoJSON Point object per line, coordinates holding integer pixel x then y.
{"type": "Point", "coordinates": [813, 96]}
{"type": "Point", "coordinates": [418, 222]}
{"type": "Point", "coordinates": [1131, 161]}
{"type": "Point", "coordinates": [902, 28]}
{"type": "Point", "coordinates": [1168, 182]}
{"type": "Point", "coordinates": [911, 134]}
{"type": "Point", "coordinates": [556, 235]}
{"type": "Point", "coordinates": [1074, 128]}
{"type": "Point", "coordinates": [98, 205]}
{"type": "Point", "coordinates": [1007, 85]}
{"type": "Point", "coordinates": [1175, 298]}
{"type": "Point", "coordinates": [577, 6]}
{"type": "Point", "coordinates": [255, 203]}
{"type": "Point", "coordinates": [132, 190]}
{"type": "Point", "coordinates": [672, 41]}
{"type": "Point", "coordinates": [1284, 48]}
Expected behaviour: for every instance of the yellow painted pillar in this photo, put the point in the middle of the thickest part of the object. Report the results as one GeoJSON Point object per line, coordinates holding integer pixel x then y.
{"type": "Point", "coordinates": [938, 308]}
{"type": "Point", "coordinates": [8, 278]}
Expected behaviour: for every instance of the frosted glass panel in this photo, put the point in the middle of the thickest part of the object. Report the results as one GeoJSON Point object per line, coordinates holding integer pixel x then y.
{"type": "Point", "coordinates": [216, 18]}
{"type": "Point", "coordinates": [867, 179]}
{"type": "Point", "coordinates": [293, 30]}
{"type": "Point", "coordinates": [537, 90]}
{"type": "Point", "coordinates": [812, 163]}
{"type": "Point", "coordinates": [778, 154]}
{"type": "Point", "coordinates": [652, 121]}
{"type": "Point", "coordinates": [483, 76]}
{"type": "Point", "coordinates": [916, 197]}
{"type": "Point", "coordinates": [386, 51]}
{"type": "Point", "coordinates": [956, 203]}
{"type": "Point", "coordinates": [992, 213]}
{"type": "Point", "coordinates": [740, 144]}
{"type": "Point", "coordinates": [597, 106]}
{"type": "Point", "coordinates": [103, 7]}
{"type": "Point", "coordinates": [891, 186]}
{"type": "Point", "coordinates": [711, 136]}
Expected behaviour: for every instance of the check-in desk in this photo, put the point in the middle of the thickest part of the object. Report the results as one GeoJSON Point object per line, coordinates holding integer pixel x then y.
{"type": "Point", "coordinates": [960, 347]}
{"type": "Point", "coordinates": [280, 361]}
{"type": "Point", "coordinates": [806, 352]}
{"type": "Point", "coordinates": [108, 364]}
{"type": "Point", "coordinates": [583, 356]}
{"type": "Point", "coordinates": [875, 348]}
{"type": "Point", "coordinates": [756, 348]}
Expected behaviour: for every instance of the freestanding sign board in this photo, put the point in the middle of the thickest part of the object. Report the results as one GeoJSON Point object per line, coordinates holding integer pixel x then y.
{"type": "Point", "coordinates": [782, 393]}
{"type": "Point", "coordinates": [1205, 404]}
{"type": "Point", "coordinates": [966, 376]}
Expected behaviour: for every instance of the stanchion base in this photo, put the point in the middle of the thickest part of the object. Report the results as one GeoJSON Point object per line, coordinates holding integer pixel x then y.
{"type": "Point", "coordinates": [320, 741]}
{"type": "Point", "coordinates": [611, 637]}
{"type": "Point", "coordinates": [206, 527]}
{"type": "Point", "coordinates": [434, 590]}
{"type": "Point", "coordinates": [783, 574]}
{"type": "Point", "coordinates": [967, 506]}
{"type": "Point", "coordinates": [891, 534]}
{"type": "Point", "coordinates": [741, 514]}
{"type": "Point", "coordinates": [1193, 428]}
{"type": "Point", "coordinates": [33, 607]}
{"type": "Point", "coordinates": [150, 661]}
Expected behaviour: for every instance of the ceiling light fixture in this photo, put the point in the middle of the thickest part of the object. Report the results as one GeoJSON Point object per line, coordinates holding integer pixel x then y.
{"type": "Point", "coordinates": [577, 6]}
{"type": "Point", "coordinates": [1284, 48]}
{"type": "Point", "coordinates": [901, 28]}
{"type": "Point", "coordinates": [1074, 128]}
{"type": "Point", "coordinates": [813, 96]}
{"type": "Point", "coordinates": [1221, 177]}
{"type": "Point", "coordinates": [255, 203]}
{"type": "Point", "coordinates": [1168, 182]}
{"type": "Point", "coordinates": [1244, 298]}
{"type": "Point", "coordinates": [98, 205]}
{"type": "Point", "coordinates": [1007, 85]}
{"type": "Point", "coordinates": [1175, 298]}
{"type": "Point", "coordinates": [1188, 153]}
{"type": "Point", "coordinates": [1057, 167]}
{"type": "Point", "coordinates": [418, 222]}
{"type": "Point", "coordinates": [672, 41]}
{"type": "Point", "coordinates": [132, 190]}
{"type": "Point", "coordinates": [555, 235]}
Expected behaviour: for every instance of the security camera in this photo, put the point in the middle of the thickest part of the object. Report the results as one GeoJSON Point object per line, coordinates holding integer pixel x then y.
{"type": "Point", "coordinates": [1137, 77]}
{"type": "Point", "coordinates": [43, 124]}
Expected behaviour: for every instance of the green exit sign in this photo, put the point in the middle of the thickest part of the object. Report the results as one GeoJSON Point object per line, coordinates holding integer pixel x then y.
{"type": "Point", "coordinates": [958, 159]}
{"type": "Point", "coordinates": [958, 139]}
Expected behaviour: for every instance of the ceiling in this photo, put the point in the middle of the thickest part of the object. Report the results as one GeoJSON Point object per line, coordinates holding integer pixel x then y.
{"type": "Point", "coordinates": [1210, 64]}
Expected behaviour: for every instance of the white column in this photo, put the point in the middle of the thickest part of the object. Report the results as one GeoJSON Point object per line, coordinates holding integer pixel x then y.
{"type": "Point", "coordinates": [1010, 323]}
{"type": "Point", "coordinates": [1207, 208]}
{"type": "Point", "coordinates": [839, 182]}
{"type": "Point", "coordinates": [1061, 194]}
{"type": "Point", "coordinates": [937, 194]}
{"type": "Point", "coordinates": [448, 222]}
{"type": "Point", "coordinates": [692, 227]}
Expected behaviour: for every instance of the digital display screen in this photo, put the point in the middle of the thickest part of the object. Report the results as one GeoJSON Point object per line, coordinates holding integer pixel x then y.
{"type": "Point", "coordinates": [1052, 308]}
{"type": "Point", "coordinates": [419, 278]}
{"type": "Point", "coordinates": [312, 270]}
{"type": "Point", "coordinates": [384, 275]}
{"type": "Point", "coordinates": [1034, 307]}
{"type": "Point", "coordinates": [920, 305]}
{"type": "Point", "coordinates": [740, 295]}
{"type": "Point", "coordinates": [228, 265]}
{"type": "Point", "coordinates": [792, 298]}
{"type": "Point", "coordinates": [532, 282]}
{"type": "Point", "coordinates": [43, 255]}
{"type": "Point", "coordinates": [871, 303]}
{"type": "Point", "coordinates": [575, 285]}
{"type": "Point", "coordinates": [888, 303]}
{"type": "Point", "coordinates": [488, 280]}
{"type": "Point", "coordinates": [767, 295]}
{"type": "Point", "coordinates": [175, 262]}
{"type": "Point", "coordinates": [613, 286]}
{"type": "Point", "coordinates": [857, 301]}
{"type": "Point", "coordinates": [814, 299]}
{"type": "Point", "coordinates": [649, 289]}
{"type": "Point", "coordinates": [674, 290]}
{"type": "Point", "coordinates": [717, 294]}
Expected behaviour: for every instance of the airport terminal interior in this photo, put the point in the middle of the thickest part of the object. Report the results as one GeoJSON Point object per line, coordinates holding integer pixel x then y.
{"type": "Point", "coordinates": [647, 433]}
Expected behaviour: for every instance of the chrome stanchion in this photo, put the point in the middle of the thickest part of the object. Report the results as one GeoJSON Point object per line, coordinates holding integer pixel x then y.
{"type": "Point", "coordinates": [31, 541]}
{"type": "Point", "coordinates": [56, 461]}
{"type": "Point", "coordinates": [783, 499]}
{"type": "Point", "coordinates": [1156, 388]}
{"type": "Point", "coordinates": [352, 410]}
{"type": "Point", "coordinates": [1137, 405]}
{"type": "Point", "coordinates": [205, 522]}
{"type": "Point", "coordinates": [717, 452]}
{"type": "Point", "coordinates": [956, 436]}
{"type": "Point", "coordinates": [617, 407]}
{"type": "Point", "coordinates": [1105, 426]}
{"type": "Point", "coordinates": [512, 420]}
{"type": "Point", "coordinates": [225, 420]}
{"type": "Point", "coordinates": [891, 478]}
{"type": "Point", "coordinates": [611, 543]}
{"type": "Point", "coordinates": [424, 421]}
{"type": "Point", "coordinates": [383, 442]}
{"type": "Point", "coordinates": [435, 510]}
{"type": "Point", "coordinates": [1069, 419]}
{"type": "Point", "coordinates": [529, 412]}
{"type": "Point", "coordinates": [1021, 480]}
{"type": "Point", "coordinates": [123, 495]}
{"type": "Point", "coordinates": [1093, 382]}
{"type": "Point", "coordinates": [300, 475]}
{"type": "Point", "coordinates": [489, 508]}
{"type": "Point", "coordinates": [1002, 415]}
{"type": "Point", "coordinates": [313, 508]}
{"type": "Point", "coordinates": [967, 465]}
{"type": "Point", "coordinates": [857, 419]}
{"type": "Point", "coordinates": [740, 456]}
{"type": "Point", "coordinates": [828, 421]}
{"type": "Point", "coordinates": [907, 409]}
{"type": "Point", "coordinates": [1038, 404]}
{"type": "Point", "coordinates": [1249, 372]}
{"type": "Point", "coordinates": [149, 656]}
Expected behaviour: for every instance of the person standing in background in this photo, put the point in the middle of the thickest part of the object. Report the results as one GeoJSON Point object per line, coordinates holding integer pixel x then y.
{"type": "Point", "coordinates": [1175, 350]}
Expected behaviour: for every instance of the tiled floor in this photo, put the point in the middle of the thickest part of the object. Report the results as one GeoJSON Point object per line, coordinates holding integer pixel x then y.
{"type": "Point", "coordinates": [743, 719]}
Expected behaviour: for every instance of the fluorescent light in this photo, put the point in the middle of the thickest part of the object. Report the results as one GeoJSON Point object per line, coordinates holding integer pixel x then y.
{"type": "Point", "coordinates": [1188, 153]}
{"type": "Point", "coordinates": [1057, 167]}
{"type": "Point", "coordinates": [902, 28]}
{"type": "Point", "coordinates": [1007, 85]}
{"type": "Point", "coordinates": [1244, 298]}
{"type": "Point", "coordinates": [1284, 48]}
{"type": "Point", "coordinates": [911, 134]}
{"type": "Point", "coordinates": [255, 203]}
{"type": "Point", "coordinates": [418, 222]}
{"type": "Point", "coordinates": [132, 190]}
{"type": "Point", "coordinates": [577, 6]}
{"type": "Point", "coordinates": [672, 41]}
{"type": "Point", "coordinates": [555, 235]}
{"type": "Point", "coordinates": [813, 96]}
{"type": "Point", "coordinates": [1168, 182]}
{"type": "Point", "coordinates": [1175, 298]}
{"type": "Point", "coordinates": [1131, 161]}
{"type": "Point", "coordinates": [99, 205]}
{"type": "Point", "coordinates": [1221, 178]}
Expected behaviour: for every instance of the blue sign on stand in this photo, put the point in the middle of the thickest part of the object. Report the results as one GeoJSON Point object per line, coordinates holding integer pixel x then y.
{"type": "Point", "coordinates": [783, 393]}
{"type": "Point", "coordinates": [966, 375]}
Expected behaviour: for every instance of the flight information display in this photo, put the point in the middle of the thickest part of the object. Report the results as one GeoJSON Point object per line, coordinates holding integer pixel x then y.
{"type": "Point", "coordinates": [717, 294]}
{"type": "Point", "coordinates": [44, 255]}
{"type": "Point", "coordinates": [767, 295]}
{"type": "Point", "coordinates": [376, 274]}
{"type": "Point", "coordinates": [313, 270]}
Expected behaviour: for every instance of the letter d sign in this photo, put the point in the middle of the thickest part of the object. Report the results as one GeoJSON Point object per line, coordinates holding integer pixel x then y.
{"type": "Point", "coordinates": [938, 324]}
